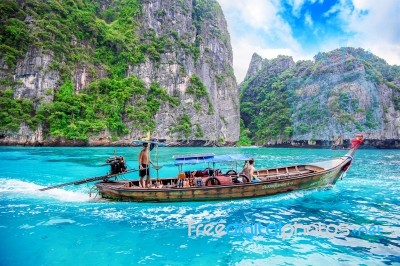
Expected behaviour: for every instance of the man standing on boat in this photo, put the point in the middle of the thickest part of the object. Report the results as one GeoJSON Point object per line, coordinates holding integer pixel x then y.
{"type": "Point", "coordinates": [144, 165]}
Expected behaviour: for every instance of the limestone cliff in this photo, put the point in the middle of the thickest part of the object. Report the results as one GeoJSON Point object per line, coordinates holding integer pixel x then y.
{"type": "Point", "coordinates": [164, 66]}
{"type": "Point", "coordinates": [340, 93]}
{"type": "Point", "coordinates": [200, 24]}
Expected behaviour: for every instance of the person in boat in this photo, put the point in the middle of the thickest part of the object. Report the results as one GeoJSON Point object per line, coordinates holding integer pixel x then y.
{"type": "Point", "coordinates": [144, 165]}
{"type": "Point", "coordinates": [248, 169]}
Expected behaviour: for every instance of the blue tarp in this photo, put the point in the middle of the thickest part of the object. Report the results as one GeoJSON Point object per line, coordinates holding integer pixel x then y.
{"type": "Point", "coordinates": [195, 159]}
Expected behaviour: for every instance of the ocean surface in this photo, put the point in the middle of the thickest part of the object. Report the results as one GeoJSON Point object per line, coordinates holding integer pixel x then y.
{"type": "Point", "coordinates": [355, 222]}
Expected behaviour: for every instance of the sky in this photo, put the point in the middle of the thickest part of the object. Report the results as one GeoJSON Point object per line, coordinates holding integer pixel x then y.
{"type": "Point", "coordinates": [302, 28]}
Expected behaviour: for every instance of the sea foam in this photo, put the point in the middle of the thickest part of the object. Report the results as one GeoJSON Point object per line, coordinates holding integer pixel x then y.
{"type": "Point", "coordinates": [15, 187]}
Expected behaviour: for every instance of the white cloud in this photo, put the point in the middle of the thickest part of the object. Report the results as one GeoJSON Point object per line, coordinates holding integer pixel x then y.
{"type": "Point", "coordinates": [308, 19]}
{"type": "Point", "coordinates": [256, 26]}
{"type": "Point", "coordinates": [362, 4]}
{"type": "Point", "coordinates": [258, 14]}
{"type": "Point", "coordinates": [375, 25]}
{"type": "Point", "coordinates": [261, 16]}
{"type": "Point", "coordinates": [250, 44]}
{"type": "Point", "coordinates": [243, 50]}
{"type": "Point", "coordinates": [339, 7]}
{"type": "Point", "coordinates": [296, 7]}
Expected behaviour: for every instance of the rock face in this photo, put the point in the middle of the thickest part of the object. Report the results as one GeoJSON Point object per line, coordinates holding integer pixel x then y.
{"type": "Point", "coordinates": [256, 64]}
{"type": "Point", "coordinates": [192, 49]}
{"type": "Point", "coordinates": [341, 93]}
{"type": "Point", "coordinates": [201, 24]}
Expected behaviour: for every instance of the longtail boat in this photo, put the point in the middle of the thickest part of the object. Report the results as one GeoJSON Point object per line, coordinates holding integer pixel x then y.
{"type": "Point", "coordinates": [215, 185]}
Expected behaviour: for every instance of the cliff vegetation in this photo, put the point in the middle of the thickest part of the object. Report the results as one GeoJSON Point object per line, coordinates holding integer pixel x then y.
{"type": "Point", "coordinates": [339, 94]}
{"type": "Point", "coordinates": [92, 71]}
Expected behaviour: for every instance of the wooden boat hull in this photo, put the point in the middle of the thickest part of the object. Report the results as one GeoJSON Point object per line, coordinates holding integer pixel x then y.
{"type": "Point", "coordinates": [269, 186]}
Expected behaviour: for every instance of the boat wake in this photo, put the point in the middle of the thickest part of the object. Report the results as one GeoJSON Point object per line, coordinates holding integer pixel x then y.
{"type": "Point", "coordinates": [18, 188]}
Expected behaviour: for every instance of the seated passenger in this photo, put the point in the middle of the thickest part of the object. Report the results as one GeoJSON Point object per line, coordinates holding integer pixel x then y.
{"type": "Point", "coordinates": [248, 169]}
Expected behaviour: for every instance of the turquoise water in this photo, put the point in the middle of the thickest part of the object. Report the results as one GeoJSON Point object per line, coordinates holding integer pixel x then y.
{"type": "Point", "coordinates": [65, 226]}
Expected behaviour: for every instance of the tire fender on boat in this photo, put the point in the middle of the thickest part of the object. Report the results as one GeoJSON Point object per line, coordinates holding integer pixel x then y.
{"type": "Point", "coordinates": [231, 172]}
{"type": "Point", "coordinates": [242, 178]}
{"type": "Point", "coordinates": [213, 181]}
{"type": "Point", "coordinates": [245, 179]}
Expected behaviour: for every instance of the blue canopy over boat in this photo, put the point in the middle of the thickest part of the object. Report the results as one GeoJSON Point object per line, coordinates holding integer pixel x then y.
{"type": "Point", "coordinates": [209, 158]}
{"type": "Point", "coordinates": [193, 156]}
{"type": "Point", "coordinates": [140, 142]}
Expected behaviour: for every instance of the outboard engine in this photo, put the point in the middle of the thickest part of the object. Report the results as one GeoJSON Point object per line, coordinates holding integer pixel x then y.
{"type": "Point", "coordinates": [117, 164]}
